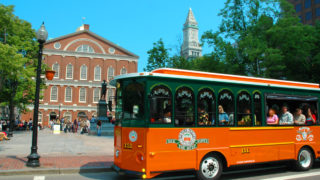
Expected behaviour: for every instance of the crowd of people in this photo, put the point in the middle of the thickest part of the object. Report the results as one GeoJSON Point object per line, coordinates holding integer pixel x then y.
{"type": "Point", "coordinates": [81, 124]}
{"type": "Point", "coordinates": [300, 117]}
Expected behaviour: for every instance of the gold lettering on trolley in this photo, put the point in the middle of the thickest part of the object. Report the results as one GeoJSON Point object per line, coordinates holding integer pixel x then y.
{"type": "Point", "coordinates": [245, 151]}
{"type": "Point", "coordinates": [127, 146]}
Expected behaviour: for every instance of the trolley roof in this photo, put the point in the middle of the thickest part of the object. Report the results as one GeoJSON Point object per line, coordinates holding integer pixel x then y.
{"type": "Point", "coordinates": [218, 77]}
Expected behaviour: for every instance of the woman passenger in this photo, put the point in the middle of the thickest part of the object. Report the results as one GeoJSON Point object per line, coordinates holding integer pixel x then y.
{"type": "Point", "coordinates": [272, 117]}
{"type": "Point", "coordinates": [223, 117]}
{"type": "Point", "coordinates": [311, 118]}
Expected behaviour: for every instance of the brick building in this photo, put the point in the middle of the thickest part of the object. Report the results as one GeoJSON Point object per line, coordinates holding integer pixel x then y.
{"type": "Point", "coordinates": [82, 60]}
{"type": "Point", "coordinates": [307, 10]}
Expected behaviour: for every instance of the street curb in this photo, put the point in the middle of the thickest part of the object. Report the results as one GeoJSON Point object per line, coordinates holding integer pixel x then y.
{"type": "Point", "coordinates": [35, 171]}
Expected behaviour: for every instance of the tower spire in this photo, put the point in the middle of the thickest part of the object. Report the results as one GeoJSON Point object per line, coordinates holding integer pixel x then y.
{"type": "Point", "coordinates": [191, 47]}
{"type": "Point", "coordinates": [190, 18]}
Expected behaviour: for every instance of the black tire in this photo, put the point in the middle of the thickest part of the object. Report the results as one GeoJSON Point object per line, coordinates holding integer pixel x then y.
{"type": "Point", "coordinates": [210, 168]}
{"type": "Point", "coordinates": [304, 160]}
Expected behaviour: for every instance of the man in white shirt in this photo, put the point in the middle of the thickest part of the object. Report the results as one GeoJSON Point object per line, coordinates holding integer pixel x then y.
{"type": "Point", "coordinates": [286, 117]}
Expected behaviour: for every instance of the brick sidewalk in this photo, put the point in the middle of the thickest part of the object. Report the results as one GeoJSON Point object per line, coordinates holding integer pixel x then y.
{"type": "Point", "coordinates": [12, 163]}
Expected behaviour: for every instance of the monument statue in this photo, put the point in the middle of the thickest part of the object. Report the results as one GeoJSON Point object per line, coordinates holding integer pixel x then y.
{"type": "Point", "coordinates": [103, 90]}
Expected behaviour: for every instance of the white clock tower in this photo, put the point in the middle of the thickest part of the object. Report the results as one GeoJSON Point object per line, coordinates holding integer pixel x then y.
{"type": "Point", "coordinates": [190, 46]}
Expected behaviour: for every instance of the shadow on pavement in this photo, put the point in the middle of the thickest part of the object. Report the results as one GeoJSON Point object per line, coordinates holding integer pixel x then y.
{"type": "Point", "coordinates": [96, 170]}
{"type": "Point", "coordinates": [17, 158]}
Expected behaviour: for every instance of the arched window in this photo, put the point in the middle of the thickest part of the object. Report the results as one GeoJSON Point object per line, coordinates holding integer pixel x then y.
{"type": "Point", "coordinates": [85, 48]}
{"type": "Point", "coordinates": [96, 94]}
{"type": "Point", "coordinates": [184, 107]}
{"type": "Point", "coordinates": [68, 94]}
{"type": "Point", "coordinates": [123, 71]}
{"type": "Point", "coordinates": [97, 73]}
{"type": "Point", "coordinates": [244, 114]}
{"type": "Point", "coordinates": [206, 107]}
{"type": "Point", "coordinates": [257, 108]}
{"type": "Point", "coordinates": [82, 95]}
{"type": "Point", "coordinates": [83, 72]}
{"type": "Point", "coordinates": [69, 71]}
{"type": "Point", "coordinates": [160, 105]}
{"type": "Point", "coordinates": [110, 73]}
{"type": "Point", "coordinates": [54, 93]}
{"type": "Point", "coordinates": [67, 116]}
{"type": "Point", "coordinates": [226, 108]}
{"type": "Point", "coordinates": [56, 68]}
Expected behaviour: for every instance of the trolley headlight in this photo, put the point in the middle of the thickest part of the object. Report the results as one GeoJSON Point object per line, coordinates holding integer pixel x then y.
{"type": "Point", "coordinates": [117, 153]}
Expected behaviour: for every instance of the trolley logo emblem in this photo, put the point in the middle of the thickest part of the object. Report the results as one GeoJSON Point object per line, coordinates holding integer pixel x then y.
{"type": "Point", "coordinates": [133, 136]}
{"type": "Point", "coordinates": [187, 140]}
{"type": "Point", "coordinates": [304, 134]}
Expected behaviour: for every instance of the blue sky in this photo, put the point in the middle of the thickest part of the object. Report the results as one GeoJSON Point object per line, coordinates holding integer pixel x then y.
{"type": "Point", "coordinates": [132, 24]}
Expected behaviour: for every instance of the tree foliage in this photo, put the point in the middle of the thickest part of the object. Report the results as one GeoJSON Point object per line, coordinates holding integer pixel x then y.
{"type": "Point", "coordinates": [265, 38]}
{"type": "Point", "coordinates": [158, 56]}
{"type": "Point", "coordinates": [18, 52]}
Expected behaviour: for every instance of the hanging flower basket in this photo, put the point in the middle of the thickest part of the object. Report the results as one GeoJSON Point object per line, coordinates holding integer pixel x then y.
{"type": "Point", "coordinates": [50, 74]}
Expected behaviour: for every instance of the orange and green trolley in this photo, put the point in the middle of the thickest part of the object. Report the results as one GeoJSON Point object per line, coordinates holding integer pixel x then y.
{"type": "Point", "coordinates": [175, 120]}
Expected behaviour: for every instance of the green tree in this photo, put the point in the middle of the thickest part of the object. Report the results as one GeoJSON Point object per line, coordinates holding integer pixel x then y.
{"type": "Point", "coordinates": [158, 56]}
{"type": "Point", "coordinates": [18, 52]}
{"type": "Point", "coordinates": [265, 38]}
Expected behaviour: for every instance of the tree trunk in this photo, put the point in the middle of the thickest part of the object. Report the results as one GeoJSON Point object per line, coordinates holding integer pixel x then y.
{"type": "Point", "coordinates": [11, 118]}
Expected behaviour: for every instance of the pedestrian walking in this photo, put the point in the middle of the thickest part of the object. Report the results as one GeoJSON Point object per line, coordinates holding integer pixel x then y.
{"type": "Point", "coordinates": [69, 125]}
{"type": "Point", "coordinates": [88, 125]}
{"type": "Point", "coordinates": [99, 128]}
{"type": "Point", "coordinates": [82, 126]}
{"type": "Point", "coordinates": [75, 125]}
{"type": "Point", "coordinates": [30, 124]}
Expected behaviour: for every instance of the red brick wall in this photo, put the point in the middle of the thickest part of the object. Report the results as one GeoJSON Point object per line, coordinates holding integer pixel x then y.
{"type": "Point", "coordinates": [77, 62]}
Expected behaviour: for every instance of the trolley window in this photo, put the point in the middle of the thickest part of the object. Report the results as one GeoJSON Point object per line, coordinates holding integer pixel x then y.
{"type": "Point", "coordinates": [206, 108]}
{"type": "Point", "coordinates": [160, 105]}
{"type": "Point", "coordinates": [184, 107]}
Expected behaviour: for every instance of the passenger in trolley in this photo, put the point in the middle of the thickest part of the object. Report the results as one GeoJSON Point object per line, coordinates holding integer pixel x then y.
{"type": "Point", "coordinates": [286, 117]}
{"type": "Point", "coordinates": [223, 117]}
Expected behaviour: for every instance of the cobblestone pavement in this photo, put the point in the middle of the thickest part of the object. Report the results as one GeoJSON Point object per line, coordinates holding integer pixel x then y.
{"type": "Point", "coordinates": [57, 151]}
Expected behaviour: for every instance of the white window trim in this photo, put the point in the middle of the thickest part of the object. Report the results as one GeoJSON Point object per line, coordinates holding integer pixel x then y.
{"type": "Point", "coordinates": [71, 71]}
{"type": "Point", "coordinates": [99, 95]}
{"type": "Point", "coordinates": [122, 69]}
{"type": "Point", "coordinates": [51, 94]}
{"type": "Point", "coordinates": [56, 72]}
{"type": "Point", "coordinates": [65, 94]}
{"type": "Point", "coordinates": [86, 72]}
{"type": "Point", "coordinates": [85, 95]}
{"type": "Point", "coordinates": [108, 73]}
{"type": "Point", "coordinates": [95, 74]}
{"type": "Point", "coordinates": [86, 51]}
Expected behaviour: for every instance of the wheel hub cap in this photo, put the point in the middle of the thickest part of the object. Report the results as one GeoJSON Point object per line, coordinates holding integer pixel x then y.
{"type": "Point", "coordinates": [210, 167]}
{"type": "Point", "coordinates": [305, 158]}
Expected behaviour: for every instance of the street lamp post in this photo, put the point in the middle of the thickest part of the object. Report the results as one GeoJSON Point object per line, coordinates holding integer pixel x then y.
{"type": "Point", "coordinates": [33, 158]}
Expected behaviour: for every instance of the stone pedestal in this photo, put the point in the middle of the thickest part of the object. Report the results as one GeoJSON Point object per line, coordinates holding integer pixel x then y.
{"type": "Point", "coordinates": [102, 109]}
{"type": "Point", "coordinates": [106, 126]}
